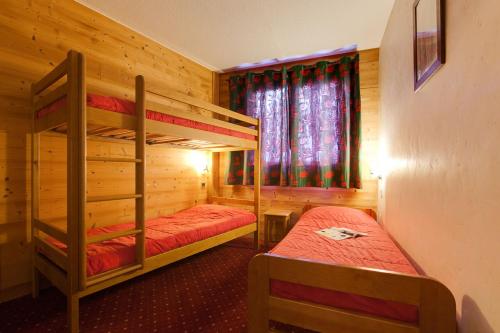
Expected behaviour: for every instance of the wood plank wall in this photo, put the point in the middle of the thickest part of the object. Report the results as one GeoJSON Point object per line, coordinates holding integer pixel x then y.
{"type": "Point", "coordinates": [296, 198]}
{"type": "Point", "coordinates": [34, 36]}
{"type": "Point", "coordinates": [172, 181]}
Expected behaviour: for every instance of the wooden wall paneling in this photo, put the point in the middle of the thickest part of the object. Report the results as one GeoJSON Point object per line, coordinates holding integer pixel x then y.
{"type": "Point", "coordinates": [36, 35]}
{"type": "Point", "coordinates": [297, 198]}
{"type": "Point", "coordinates": [170, 185]}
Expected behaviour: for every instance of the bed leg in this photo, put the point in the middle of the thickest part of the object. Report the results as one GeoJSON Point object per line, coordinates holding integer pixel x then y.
{"type": "Point", "coordinates": [258, 295]}
{"type": "Point", "coordinates": [437, 308]}
{"type": "Point", "coordinates": [256, 240]}
{"type": "Point", "coordinates": [73, 313]}
{"type": "Point", "coordinates": [35, 283]}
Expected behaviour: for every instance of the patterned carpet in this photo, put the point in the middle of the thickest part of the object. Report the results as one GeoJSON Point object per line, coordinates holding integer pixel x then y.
{"type": "Point", "coordinates": [204, 293]}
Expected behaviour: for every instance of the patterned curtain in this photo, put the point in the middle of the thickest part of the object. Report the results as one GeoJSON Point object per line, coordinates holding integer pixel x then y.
{"type": "Point", "coordinates": [310, 125]}
{"type": "Point", "coordinates": [325, 119]}
{"type": "Point", "coordinates": [263, 96]}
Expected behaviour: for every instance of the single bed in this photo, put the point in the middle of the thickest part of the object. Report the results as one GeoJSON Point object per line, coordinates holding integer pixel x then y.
{"type": "Point", "coordinates": [163, 234]}
{"type": "Point", "coordinates": [363, 284]}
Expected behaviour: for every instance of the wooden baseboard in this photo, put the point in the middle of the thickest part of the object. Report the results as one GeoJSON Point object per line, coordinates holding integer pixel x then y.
{"type": "Point", "coordinates": [21, 290]}
{"type": "Point", "coordinates": [15, 292]}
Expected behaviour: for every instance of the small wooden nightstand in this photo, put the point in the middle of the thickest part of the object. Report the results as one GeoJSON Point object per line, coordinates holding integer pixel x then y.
{"type": "Point", "coordinates": [275, 215]}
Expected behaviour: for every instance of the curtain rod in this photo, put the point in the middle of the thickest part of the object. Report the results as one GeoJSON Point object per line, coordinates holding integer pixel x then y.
{"type": "Point", "coordinates": [308, 63]}
{"type": "Point", "coordinates": [311, 61]}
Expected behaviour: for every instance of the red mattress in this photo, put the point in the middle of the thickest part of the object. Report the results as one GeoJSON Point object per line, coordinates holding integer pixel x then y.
{"type": "Point", "coordinates": [114, 104]}
{"type": "Point", "coordinates": [376, 250]}
{"type": "Point", "coordinates": [163, 234]}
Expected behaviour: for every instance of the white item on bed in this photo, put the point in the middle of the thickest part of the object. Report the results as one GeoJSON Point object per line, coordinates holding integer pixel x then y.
{"type": "Point", "coordinates": [340, 233]}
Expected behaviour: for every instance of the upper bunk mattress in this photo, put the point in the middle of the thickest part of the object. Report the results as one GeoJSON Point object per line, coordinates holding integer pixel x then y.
{"type": "Point", "coordinates": [114, 104]}
{"type": "Point", "coordinates": [162, 235]}
{"type": "Point", "coordinates": [377, 250]}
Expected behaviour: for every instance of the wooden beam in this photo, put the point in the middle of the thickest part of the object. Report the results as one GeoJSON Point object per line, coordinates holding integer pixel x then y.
{"type": "Point", "coordinates": [370, 211]}
{"type": "Point", "coordinates": [72, 308]}
{"type": "Point", "coordinates": [437, 311]}
{"type": "Point", "coordinates": [51, 120]}
{"type": "Point", "coordinates": [51, 272]}
{"type": "Point", "coordinates": [58, 257]}
{"type": "Point", "coordinates": [226, 149]}
{"type": "Point", "coordinates": [373, 283]}
{"type": "Point", "coordinates": [256, 186]}
{"type": "Point", "coordinates": [75, 166]}
{"type": "Point", "coordinates": [82, 171]}
{"type": "Point", "coordinates": [171, 256]}
{"type": "Point", "coordinates": [326, 319]}
{"type": "Point", "coordinates": [51, 97]}
{"type": "Point", "coordinates": [156, 127]}
{"type": "Point", "coordinates": [213, 181]}
{"type": "Point", "coordinates": [51, 231]}
{"type": "Point", "coordinates": [114, 273]}
{"type": "Point", "coordinates": [112, 235]}
{"type": "Point", "coordinates": [140, 170]}
{"type": "Point", "coordinates": [113, 159]}
{"type": "Point", "coordinates": [169, 94]}
{"type": "Point", "coordinates": [258, 295]}
{"type": "Point", "coordinates": [72, 175]}
{"type": "Point", "coordinates": [236, 201]}
{"type": "Point", "coordinates": [164, 109]}
{"type": "Point", "coordinates": [50, 78]}
{"type": "Point", "coordinates": [97, 116]}
{"type": "Point", "coordinates": [101, 198]}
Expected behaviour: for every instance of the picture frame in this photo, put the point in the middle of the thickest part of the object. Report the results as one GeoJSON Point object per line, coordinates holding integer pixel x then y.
{"type": "Point", "coordinates": [429, 46]}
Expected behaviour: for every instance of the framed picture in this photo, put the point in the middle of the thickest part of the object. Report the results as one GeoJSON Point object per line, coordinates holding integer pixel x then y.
{"type": "Point", "coordinates": [428, 39]}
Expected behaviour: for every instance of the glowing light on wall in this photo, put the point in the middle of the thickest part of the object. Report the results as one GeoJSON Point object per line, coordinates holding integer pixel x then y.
{"type": "Point", "coordinates": [382, 167]}
{"type": "Point", "coordinates": [386, 164]}
{"type": "Point", "coordinates": [198, 160]}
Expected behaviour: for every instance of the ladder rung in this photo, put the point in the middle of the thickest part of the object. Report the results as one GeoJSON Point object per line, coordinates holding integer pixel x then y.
{"type": "Point", "coordinates": [51, 230]}
{"type": "Point", "coordinates": [113, 159]}
{"type": "Point", "coordinates": [109, 275]}
{"type": "Point", "coordinates": [56, 255]}
{"type": "Point", "coordinates": [113, 197]}
{"type": "Point", "coordinates": [112, 235]}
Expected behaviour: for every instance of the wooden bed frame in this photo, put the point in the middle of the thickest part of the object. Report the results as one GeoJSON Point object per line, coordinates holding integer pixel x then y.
{"type": "Point", "coordinates": [67, 270]}
{"type": "Point", "coordinates": [436, 304]}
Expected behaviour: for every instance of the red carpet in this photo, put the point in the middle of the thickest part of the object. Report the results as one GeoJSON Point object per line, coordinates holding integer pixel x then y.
{"type": "Point", "coordinates": [204, 293]}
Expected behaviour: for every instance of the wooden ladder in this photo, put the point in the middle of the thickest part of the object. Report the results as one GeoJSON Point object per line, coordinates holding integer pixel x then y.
{"type": "Point", "coordinates": [139, 195]}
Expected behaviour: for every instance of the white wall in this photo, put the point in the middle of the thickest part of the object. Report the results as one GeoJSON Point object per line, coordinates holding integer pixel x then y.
{"type": "Point", "coordinates": [440, 198]}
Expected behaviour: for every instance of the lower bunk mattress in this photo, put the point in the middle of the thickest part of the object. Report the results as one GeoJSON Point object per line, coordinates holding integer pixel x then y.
{"type": "Point", "coordinates": [162, 235]}
{"type": "Point", "coordinates": [376, 250]}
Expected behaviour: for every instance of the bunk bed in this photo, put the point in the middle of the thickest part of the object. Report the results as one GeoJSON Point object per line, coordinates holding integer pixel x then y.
{"type": "Point", "coordinates": [363, 284]}
{"type": "Point", "coordinates": [80, 261]}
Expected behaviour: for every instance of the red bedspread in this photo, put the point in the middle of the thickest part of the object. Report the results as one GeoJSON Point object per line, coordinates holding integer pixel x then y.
{"type": "Point", "coordinates": [114, 104]}
{"type": "Point", "coordinates": [163, 234]}
{"type": "Point", "coordinates": [376, 250]}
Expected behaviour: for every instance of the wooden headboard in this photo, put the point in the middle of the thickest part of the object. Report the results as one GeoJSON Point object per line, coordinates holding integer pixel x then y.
{"type": "Point", "coordinates": [370, 211]}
